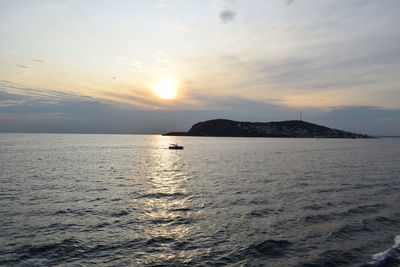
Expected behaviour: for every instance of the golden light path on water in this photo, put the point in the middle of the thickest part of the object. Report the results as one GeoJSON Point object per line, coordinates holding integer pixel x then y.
{"type": "Point", "coordinates": [165, 203]}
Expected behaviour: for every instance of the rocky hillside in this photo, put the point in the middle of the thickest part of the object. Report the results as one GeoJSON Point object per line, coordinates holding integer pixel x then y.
{"type": "Point", "coordinates": [295, 128]}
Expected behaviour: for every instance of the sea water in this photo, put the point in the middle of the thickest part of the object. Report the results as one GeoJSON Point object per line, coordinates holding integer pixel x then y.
{"type": "Point", "coordinates": [127, 200]}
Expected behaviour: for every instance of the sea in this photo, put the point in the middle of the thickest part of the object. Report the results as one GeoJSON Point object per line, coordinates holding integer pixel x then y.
{"type": "Point", "coordinates": [128, 200]}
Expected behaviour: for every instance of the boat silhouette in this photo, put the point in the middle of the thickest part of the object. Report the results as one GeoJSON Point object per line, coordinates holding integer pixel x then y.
{"type": "Point", "coordinates": [175, 146]}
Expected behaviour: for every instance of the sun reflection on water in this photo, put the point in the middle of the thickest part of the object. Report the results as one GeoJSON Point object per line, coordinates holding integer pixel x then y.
{"type": "Point", "coordinates": [166, 215]}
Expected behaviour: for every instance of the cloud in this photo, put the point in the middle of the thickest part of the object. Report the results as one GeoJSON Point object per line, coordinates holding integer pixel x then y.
{"type": "Point", "coordinates": [289, 2]}
{"type": "Point", "coordinates": [30, 97]}
{"type": "Point", "coordinates": [33, 110]}
{"type": "Point", "coordinates": [37, 60]}
{"type": "Point", "coordinates": [53, 8]}
{"type": "Point", "coordinates": [161, 59]}
{"type": "Point", "coordinates": [227, 16]}
{"type": "Point", "coordinates": [161, 3]}
{"type": "Point", "coordinates": [69, 113]}
{"type": "Point", "coordinates": [22, 66]}
{"type": "Point", "coordinates": [181, 28]}
{"type": "Point", "coordinates": [336, 63]}
{"type": "Point", "coordinates": [361, 113]}
{"type": "Point", "coordinates": [137, 66]}
{"type": "Point", "coordinates": [226, 10]}
{"type": "Point", "coordinates": [362, 119]}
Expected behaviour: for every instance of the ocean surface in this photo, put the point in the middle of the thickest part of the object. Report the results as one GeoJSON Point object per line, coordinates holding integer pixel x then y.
{"type": "Point", "coordinates": [127, 200]}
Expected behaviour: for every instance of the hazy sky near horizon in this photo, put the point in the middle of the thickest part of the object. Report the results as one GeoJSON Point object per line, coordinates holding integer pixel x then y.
{"type": "Point", "coordinates": [92, 65]}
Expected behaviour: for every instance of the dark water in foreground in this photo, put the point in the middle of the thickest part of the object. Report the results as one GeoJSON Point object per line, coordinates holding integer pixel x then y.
{"type": "Point", "coordinates": [117, 200]}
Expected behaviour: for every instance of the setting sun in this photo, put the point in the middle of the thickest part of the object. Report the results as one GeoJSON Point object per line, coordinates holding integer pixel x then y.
{"type": "Point", "coordinates": [165, 88]}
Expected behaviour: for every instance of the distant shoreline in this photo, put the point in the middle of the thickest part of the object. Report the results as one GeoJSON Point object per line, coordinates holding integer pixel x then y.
{"type": "Point", "coordinates": [161, 134]}
{"type": "Point", "coordinates": [280, 129]}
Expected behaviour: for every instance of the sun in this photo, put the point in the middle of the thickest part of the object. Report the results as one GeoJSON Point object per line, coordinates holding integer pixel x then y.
{"type": "Point", "coordinates": [165, 88]}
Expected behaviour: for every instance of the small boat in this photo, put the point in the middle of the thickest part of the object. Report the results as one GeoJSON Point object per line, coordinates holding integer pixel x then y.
{"type": "Point", "coordinates": [175, 146]}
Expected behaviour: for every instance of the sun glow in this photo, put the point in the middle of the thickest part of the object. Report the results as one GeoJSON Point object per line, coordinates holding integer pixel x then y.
{"type": "Point", "coordinates": [165, 88]}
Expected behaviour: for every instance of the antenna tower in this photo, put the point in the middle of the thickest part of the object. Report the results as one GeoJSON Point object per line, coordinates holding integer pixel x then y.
{"type": "Point", "coordinates": [301, 114]}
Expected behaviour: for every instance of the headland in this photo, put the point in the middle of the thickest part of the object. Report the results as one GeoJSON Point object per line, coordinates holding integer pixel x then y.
{"type": "Point", "coordinates": [292, 128]}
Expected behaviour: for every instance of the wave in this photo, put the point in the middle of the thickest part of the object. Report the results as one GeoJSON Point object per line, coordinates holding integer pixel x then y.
{"type": "Point", "coordinates": [260, 213]}
{"type": "Point", "coordinates": [390, 257]}
{"type": "Point", "coordinates": [365, 209]}
{"type": "Point", "coordinates": [159, 240]}
{"type": "Point", "coordinates": [269, 248]}
{"type": "Point", "coordinates": [348, 231]}
{"type": "Point", "coordinates": [120, 213]}
{"type": "Point", "coordinates": [318, 218]}
{"type": "Point", "coordinates": [334, 258]}
{"type": "Point", "coordinates": [255, 254]}
{"type": "Point", "coordinates": [70, 249]}
{"type": "Point", "coordinates": [162, 195]}
{"type": "Point", "coordinates": [59, 251]}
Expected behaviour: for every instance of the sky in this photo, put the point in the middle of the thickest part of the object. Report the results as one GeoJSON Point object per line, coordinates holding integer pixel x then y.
{"type": "Point", "coordinates": [153, 66]}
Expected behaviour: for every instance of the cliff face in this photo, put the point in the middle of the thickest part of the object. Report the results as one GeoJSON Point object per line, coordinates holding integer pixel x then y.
{"type": "Point", "coordinates": [294, 128]}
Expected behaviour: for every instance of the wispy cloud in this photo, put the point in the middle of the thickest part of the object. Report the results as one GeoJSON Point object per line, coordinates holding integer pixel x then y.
{"type": "Point", "coordinates": [34, 110]}
{"type": "Point", "coordinates": [363, 119]}
{"type": "Point", "coordinates": [161, 59]}
{"type": "Point", "coordinates": [181, 28]}
{"type": "Point", "coordinates": [227, 16]}
{"type": "Point", "coordinates": [227, 11]}
{"type": "Point", "coordinates": [137, 65]}
{"type": "Point", "coordinates": [161, 3]}
{"type": "Point", "coordinates": [289, 2]}
{"type": "Point", "coordinates": [53, 8]}
{"type": "Point", "coordinates": [13, 91]}
{"type": "Point", "coordinates": [22, 66]}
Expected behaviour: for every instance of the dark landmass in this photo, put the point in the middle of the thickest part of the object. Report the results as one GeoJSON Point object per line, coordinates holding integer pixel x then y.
{"type": "Point", "coordinates": [294, 128]}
